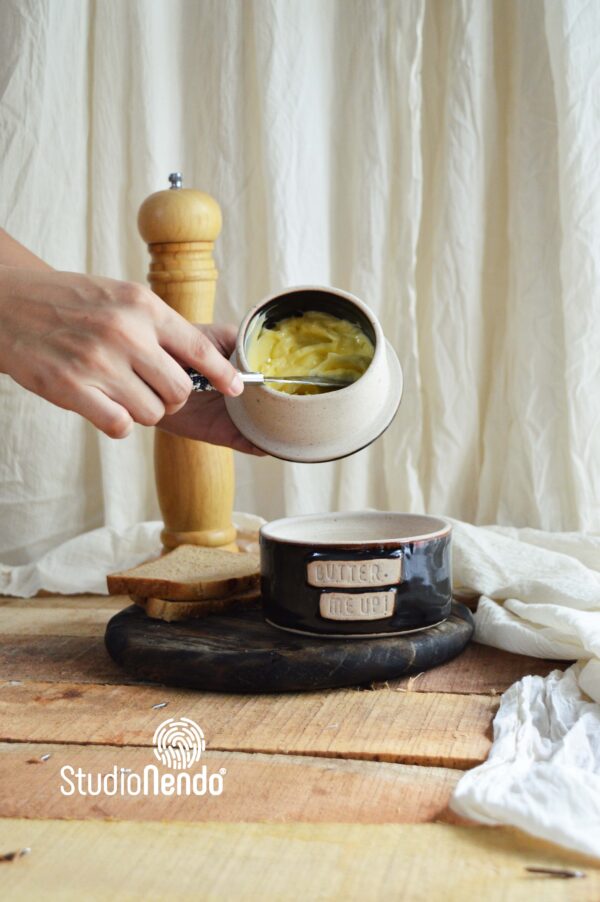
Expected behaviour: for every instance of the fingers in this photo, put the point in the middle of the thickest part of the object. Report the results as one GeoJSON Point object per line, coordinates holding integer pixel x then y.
{"type": "Point", "coordinates": [109, 386]}
{"type": "Point", "coordinates": [194, 348]}
{"type": "Point", "coordinates": [166, 378]}
{"type": "Point", "coordinates": [144, 406]}
{"type": "Point", "coordinates": [104, 413]}
{"type": "Point", "coordinates": [108, 350]}
{"type": "Point", "coordinates": [114, 411]}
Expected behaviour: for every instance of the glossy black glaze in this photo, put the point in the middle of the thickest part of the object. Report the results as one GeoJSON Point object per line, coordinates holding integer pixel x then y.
{"type": "Point", "coordinates": [423, 596]}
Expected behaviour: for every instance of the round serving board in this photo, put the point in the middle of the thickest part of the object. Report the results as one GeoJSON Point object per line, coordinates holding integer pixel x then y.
{"type": "Point", "coordinates": [240, 652]}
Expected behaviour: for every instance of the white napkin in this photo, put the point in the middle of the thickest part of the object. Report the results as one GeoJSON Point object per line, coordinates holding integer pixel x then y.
{"type": "Point", "coordinates": [81, 564]}
{"type": "Point", "coordinates": [540, 597]}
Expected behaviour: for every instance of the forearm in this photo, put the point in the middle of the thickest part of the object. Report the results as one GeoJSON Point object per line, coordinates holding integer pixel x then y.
{"type": "Point", "coordinates": [12, 253]}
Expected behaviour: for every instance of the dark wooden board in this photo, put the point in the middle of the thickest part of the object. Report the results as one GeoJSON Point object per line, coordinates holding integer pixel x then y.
{"type": "Point", "coordinates": [239, 652]}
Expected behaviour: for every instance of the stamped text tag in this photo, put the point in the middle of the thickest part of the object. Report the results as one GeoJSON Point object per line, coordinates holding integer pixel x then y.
{"type": "Point", "coordinates": [354, 574]}
{"type": "Point", "coordinates": [357, 606]}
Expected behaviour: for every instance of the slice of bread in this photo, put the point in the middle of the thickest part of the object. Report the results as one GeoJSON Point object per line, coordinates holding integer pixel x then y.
{"type": "Point", "coordinates": [163, 609]}
{"type": "Point", "coordinates": [189, 573]}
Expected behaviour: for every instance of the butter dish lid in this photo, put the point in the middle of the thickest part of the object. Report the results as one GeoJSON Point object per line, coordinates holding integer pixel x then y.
{"type": "Point", "coordinates": [314, 428]}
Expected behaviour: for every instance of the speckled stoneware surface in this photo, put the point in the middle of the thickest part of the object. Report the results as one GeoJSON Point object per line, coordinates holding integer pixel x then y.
{"type": "Point", "coordinates": [313, 428]}
{"type": "Point", "coordinates": [356, 574]}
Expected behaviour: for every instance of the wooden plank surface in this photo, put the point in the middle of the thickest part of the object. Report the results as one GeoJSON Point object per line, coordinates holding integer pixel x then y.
{"type": "Point", "coordinates": [256, 788]}
{"type": "Point", "coordinates": [77, 615]}
{"type": "Point", "coordinates": [59, 659]}
{"type": "Point", "coordinates": [431, 729]}
{"type": "Point", "coordinates": [387, 758]}
{"type": "Point", "coordinates": [73, 650]}
{"type": "Point", "coordinates": [83, 659]}
{"type": "Point", "coordinates": [74, 860]}
{"type": "Point", "coordinates": [479, 669]}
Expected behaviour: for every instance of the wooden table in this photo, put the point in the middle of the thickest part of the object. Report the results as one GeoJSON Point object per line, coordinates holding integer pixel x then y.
{"type": "Point", "coordinates": [333, 795]}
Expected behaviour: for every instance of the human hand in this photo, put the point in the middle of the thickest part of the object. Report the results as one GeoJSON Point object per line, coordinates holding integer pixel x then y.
{"type": "Point", "coordinates": [109, 351]}
{"type": "Point", "coordinates": [205, 416]}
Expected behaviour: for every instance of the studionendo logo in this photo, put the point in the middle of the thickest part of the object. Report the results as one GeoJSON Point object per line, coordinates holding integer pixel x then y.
{"type": "Point", "coordinates": [178, 745]}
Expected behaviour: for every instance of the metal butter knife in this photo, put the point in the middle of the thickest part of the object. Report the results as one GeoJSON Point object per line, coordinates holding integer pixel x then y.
{"type": "Point", "coordinates": [201, 383]}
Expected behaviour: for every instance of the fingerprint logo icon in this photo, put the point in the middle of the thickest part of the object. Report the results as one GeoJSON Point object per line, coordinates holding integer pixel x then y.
{"type": "Point", "coordinates": [178, 743]}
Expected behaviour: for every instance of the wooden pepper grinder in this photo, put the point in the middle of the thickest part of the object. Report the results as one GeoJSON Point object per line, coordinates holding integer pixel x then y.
{"type": "Point", "coordinates": [194, 480]}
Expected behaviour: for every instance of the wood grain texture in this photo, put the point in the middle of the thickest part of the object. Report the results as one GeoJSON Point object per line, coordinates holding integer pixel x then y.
{"type": "Point", "coordinates": [277, 788]}
{"type": "Point", "coordinates": [89, 860]}
{"type": "Point", "coordinates": [479, 669]}
{"type": "Point", "coordinates": [430, 729]}
{"type": "Point", "coordinates": [60, 639]}
{"type": "Point", "coordinates": [59, 659]}
{"type": "Point", "coordinates": [194, 480]}
{"type": "Point", "coordinates": [37, 618]}
{"type": "Point", "coordinates": [237, 651]}
{"type": "Point", "coordinates": [388, 755]}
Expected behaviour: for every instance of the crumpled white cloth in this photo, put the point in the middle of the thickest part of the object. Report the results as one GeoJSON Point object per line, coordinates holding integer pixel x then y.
{"type": "Point", "coordinates": [543, 771]}
{"type": "Point", "coordinates": [81, 564]}
{"type": "Point", "coordinates": [540, 596]}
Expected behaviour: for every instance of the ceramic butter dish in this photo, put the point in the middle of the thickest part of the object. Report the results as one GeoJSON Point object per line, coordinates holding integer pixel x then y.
{"type": "Point", "coordinates": [356, 574]}
{"type": "Point", "coordinates": [316, 427]}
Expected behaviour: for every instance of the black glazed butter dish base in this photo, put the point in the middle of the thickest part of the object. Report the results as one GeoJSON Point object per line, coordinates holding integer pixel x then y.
{"type": "Point", "coordinates": [239, 652]}
{"type": "Point", "coordinates": [356, 573]}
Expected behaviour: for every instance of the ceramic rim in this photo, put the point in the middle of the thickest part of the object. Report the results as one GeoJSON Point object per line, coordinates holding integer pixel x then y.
{"type": "Point", "coordinates": [438, 527]}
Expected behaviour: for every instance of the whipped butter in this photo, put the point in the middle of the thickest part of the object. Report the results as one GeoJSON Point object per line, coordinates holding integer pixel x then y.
{"type": "Point", "coordinates": [312, 344]}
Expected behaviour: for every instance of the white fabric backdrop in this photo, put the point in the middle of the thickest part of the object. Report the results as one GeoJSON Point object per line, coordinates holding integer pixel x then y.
{"type": "Point", "coordinates": [436, 158]}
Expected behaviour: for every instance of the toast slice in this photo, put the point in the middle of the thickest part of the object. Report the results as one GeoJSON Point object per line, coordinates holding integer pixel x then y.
{"type": "Point", "coordinates": [163, 609]}
{"type": "Point", "coordinates": [189, 573]}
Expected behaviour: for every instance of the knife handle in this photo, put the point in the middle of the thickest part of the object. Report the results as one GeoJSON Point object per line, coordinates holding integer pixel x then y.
{"type": "Point", "coordinates": [199, 382]}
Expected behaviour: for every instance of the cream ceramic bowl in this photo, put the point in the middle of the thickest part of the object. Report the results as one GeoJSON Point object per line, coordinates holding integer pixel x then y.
{"type": "Point", "coordinates": [314, 428]}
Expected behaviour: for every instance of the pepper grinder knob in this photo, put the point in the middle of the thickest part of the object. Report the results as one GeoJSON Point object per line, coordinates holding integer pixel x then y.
{"type": "Point", "coordinates": [176, 180]}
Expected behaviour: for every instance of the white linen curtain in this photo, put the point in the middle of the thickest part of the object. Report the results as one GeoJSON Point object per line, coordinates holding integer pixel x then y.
{"type": "Point", "coordinates": [437, 158]}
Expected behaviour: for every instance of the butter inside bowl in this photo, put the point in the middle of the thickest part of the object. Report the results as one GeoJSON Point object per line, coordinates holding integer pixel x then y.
{"type": "Point", "coordinates": [312, 343]}
{"type": "Point", "coordinates": [316, 332]}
